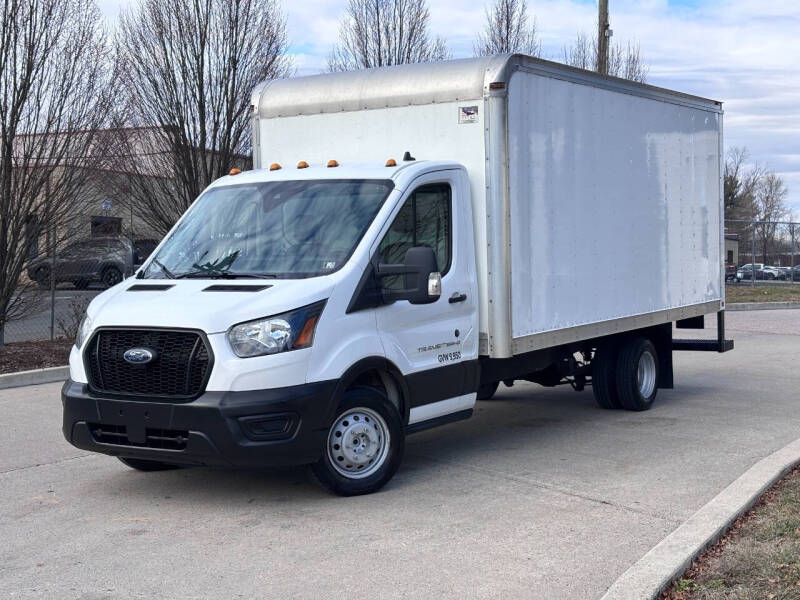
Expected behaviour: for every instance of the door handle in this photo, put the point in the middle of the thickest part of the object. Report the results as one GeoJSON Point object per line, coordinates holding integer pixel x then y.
{"type": "Point", "coordinates": [457, 297]}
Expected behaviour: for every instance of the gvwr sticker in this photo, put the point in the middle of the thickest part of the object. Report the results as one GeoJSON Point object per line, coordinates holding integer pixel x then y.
{"type": "Point", "coordinates": [467, 114]}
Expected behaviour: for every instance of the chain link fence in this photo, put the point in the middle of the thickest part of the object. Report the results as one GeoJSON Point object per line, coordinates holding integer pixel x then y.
{"type": "Point", "coordinates": [56, 288]}
{"type": "Point", "coordinates": [762, 252]}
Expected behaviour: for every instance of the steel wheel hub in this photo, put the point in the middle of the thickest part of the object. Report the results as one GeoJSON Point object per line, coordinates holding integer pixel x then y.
{"type": "Point", "coordinates": [358, 443]}
{"type": "Point", "coordinates": [646, 374]}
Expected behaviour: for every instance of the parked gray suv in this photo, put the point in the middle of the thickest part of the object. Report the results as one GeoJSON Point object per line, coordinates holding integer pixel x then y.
{"type": "Point", "coordinates": [81, 263]}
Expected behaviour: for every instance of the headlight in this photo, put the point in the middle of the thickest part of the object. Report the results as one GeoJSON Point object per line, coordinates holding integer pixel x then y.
{"type": "Point", "coordinates": [84, 329]}
{"type": "Point", "coordinates": [288, 331]}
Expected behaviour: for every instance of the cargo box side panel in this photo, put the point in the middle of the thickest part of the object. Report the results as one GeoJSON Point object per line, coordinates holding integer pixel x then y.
{"type": "Point", "coordinates": [615, 206]}
{"type": "Point", "coordinates": [429, 132]}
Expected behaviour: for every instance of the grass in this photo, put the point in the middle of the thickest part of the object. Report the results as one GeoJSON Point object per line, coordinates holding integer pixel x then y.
{"type": "Point", "coordinates": [759, 558]}
{"type": "Point", "coordinates": [744, 292]}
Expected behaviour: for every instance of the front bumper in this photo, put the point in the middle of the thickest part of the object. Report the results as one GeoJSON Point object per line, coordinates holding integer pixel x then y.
{"type": "Point", "coordinates": [283, 426]}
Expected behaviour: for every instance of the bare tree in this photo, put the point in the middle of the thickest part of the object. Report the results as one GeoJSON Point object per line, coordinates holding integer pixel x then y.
{"type": "Point", "coordinates": [188, 68]}
{"type": "Point", "coordinates": [53, 99]}
{"type": "Point", "coordinates": [508, 30]}
{"type": "Point", "coordinates": [755, 201]}
{"type": "Point", "coordinates": [740, 183]}
{"type": "Point", "coordinates": [623, 61]}
{"type": "Point", "coordinates": [769, 207]}
{"type": "Point", "coordinates": [379, 33]}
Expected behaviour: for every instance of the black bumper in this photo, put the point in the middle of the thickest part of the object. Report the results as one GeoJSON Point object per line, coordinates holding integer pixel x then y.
{"type": "Point", "coordinates": [283, 426]}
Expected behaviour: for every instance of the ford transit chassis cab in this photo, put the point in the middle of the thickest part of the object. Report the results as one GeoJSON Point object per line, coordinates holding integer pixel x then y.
{"type": "Point", "coordinates": [409, 238]}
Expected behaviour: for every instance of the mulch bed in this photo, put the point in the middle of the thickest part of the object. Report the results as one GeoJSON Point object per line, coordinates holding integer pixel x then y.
{"type": "Point", "coordinates": [703, 567]}
{"type": "Point", "coordinates": [24, 356]}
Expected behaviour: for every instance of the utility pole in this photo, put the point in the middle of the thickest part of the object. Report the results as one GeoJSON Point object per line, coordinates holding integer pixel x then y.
{"type": "Point", "coordinates": [603, 35]}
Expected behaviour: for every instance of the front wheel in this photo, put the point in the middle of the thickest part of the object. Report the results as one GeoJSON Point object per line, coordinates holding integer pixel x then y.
{"type": "Point", "coordinates": [112, 276]}
{"type": "Point", "coordinates": [364, 446]}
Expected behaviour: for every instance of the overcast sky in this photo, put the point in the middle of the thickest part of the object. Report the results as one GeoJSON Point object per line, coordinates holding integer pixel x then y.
{"type": "Point", "coordinates": [743, 52]}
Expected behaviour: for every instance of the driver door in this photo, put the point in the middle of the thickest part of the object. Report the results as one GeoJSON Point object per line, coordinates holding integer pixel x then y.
{"type": "Point", "coordinates": [435, 345]}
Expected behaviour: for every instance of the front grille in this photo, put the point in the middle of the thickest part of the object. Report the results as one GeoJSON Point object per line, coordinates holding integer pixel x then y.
{"type": "Point", "coordinates": [162, 439]}
{"type": "Point", "coordinates": [179, 369]}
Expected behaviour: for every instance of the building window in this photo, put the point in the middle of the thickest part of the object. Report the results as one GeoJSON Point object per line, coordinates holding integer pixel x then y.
{"type": "Point", "coordinates": [106, 226]}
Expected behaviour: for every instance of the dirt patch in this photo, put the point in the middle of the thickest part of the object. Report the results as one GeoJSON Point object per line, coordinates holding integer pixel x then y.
{"type": "Point", "coordinates": [744, 292]}
{"type": "Point", "coordinates": [759, 557]}
{"type": "Point", "coordinates": [24, 356]}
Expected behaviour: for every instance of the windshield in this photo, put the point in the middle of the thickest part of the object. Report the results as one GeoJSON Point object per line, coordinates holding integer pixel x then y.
{"type": "Point", "coordinates": [280, 229]}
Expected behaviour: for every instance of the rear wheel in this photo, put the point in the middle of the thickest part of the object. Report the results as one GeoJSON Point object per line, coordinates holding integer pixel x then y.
{"type": "Point", "coordinates": [42, 277]}
{"type": "Point", "coordinates": [604, 376]}
{"type": "Point", "coordinates": [141, 464]}
{"type": "Point", "coordinates": [637, 374]}
{"type": "Point", "coordinates": [365, 444]}
{"type": "Point", "coordinates": [487, 390]}
{"type": "Point", "coordinates": [81, 284]}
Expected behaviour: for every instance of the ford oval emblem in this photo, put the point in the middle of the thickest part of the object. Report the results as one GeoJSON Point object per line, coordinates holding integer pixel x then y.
{"type": "Point", "coordinates": [139, 356]}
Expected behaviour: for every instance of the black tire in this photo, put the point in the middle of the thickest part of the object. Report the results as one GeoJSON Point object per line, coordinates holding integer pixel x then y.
{"type": "Point", "coordinates": [487, 390]}
{"type": "Point", "coordinates": [141, 464]}
{"type": "Point", "coordinates": [355, 410]}
{"type": "Point", "coordinates": [111, 276]}
{"type": "Point", "coordinates": [80, 284]}
{"type": "Point", "coordinates": [604, 376]}
{"type": "Point", "coordinates": [42, 277]}
{"type": "Point", "coordinates": [637, 391]}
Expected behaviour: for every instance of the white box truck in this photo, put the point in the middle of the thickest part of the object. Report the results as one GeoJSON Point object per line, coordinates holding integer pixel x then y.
{"type": "Point", "coordinates": [409, 238]}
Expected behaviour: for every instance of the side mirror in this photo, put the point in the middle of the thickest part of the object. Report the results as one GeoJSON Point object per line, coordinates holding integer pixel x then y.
{"type": "Point", "coordinates": [422, 281]}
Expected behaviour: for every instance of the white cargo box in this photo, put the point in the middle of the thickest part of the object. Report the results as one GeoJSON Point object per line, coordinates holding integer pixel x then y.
{"type": "Point", "coordinates": [597, 202]}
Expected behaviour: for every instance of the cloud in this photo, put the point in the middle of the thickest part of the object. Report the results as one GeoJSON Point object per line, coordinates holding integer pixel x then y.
{"type": "Point", "coordinates": [745, 53]}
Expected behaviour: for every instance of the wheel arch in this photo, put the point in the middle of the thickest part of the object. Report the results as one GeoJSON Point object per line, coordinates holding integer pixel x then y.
{"type": "Point", "coordinates": [377, 372]}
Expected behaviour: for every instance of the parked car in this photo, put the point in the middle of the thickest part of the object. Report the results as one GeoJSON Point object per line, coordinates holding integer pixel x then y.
{"type": "Point", "coordinates": [784, 273]}
{"type": "Point", "coordinates": [104, 259]}
{"type": "Point", "coordinates": [746, 271]}
{"type": "Point", "coordinates": [730, 273]}
{"type": "Point", "coordinates": [772, 272]}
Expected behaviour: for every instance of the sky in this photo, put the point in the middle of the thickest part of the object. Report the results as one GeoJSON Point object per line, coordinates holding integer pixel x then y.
{"type": "Point", "coordinates": [745, 53]}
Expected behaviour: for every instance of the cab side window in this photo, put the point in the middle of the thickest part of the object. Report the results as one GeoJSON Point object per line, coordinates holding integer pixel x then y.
{"type": "Point", "coordinates": [424, 220]}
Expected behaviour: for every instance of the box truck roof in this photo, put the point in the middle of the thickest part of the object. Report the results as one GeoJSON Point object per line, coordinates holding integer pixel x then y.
{"type": "Point", "coordinates": [429, 83]}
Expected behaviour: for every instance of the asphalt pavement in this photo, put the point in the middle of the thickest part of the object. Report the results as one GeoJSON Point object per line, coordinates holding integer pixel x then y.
{"type": "Point", "coordinates": [539, 495]}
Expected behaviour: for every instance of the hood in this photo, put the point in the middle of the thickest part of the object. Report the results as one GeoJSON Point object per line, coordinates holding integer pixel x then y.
{"type": "Point", "coordinates": [188, 303]}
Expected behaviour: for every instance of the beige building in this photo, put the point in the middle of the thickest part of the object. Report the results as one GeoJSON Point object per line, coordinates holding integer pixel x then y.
{"type": "Point", "coordinates": [732, 249]}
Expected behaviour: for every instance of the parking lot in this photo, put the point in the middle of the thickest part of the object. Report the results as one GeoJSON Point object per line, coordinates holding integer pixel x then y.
{"type": "Point", "coordinates": [539, 495]}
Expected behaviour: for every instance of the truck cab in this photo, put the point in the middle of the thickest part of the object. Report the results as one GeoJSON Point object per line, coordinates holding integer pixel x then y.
{"type": "Point", "coordinates": [280, 295]}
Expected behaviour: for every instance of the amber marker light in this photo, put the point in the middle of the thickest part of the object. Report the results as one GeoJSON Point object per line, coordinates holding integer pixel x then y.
{"type": "Point", "coordinates": [274, 167]}
{"type": "Point", "coordinates": [302, 165]}
{"type": "Point", "coordinates": [234, 171]}
{"type": "Point", "coordinates": [307, 334]}
{"type": "Point", "coordinates": [332, 163]}
{"type": "Point", "coordinates": [391, 163]}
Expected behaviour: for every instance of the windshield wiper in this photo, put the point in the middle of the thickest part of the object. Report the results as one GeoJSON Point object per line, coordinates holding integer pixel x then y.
{"type": "Point", "coordinates": [165, 270]}
{"type": "Point", "coordinates": [224, 275]}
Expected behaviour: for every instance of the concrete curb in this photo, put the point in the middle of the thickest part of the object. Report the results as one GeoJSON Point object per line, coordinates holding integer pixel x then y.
{"type": "Point", "coordinates": [34, 377]}
{"type": "Point", "coordinates": [657, 569]}
{"type": "Point", "coordinates": [761, 305]}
